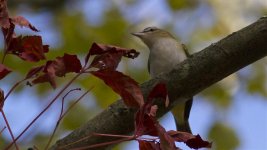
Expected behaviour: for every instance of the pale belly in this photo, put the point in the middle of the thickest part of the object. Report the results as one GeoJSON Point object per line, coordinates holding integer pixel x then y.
{"type": "Point", "coordinates": [165, 63]}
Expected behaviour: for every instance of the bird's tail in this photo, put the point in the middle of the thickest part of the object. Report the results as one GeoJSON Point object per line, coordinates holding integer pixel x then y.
{"type": "Point", "coordinates": [181, 113]}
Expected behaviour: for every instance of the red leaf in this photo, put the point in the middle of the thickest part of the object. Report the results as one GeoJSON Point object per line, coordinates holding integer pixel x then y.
{"type": "Point", "coordinates": [8, 33]}
{"type": "Point", "coordinates": [4, 71]}
{"type": "Point", "coordinates": [62, 65]}
{"type": "Point", "coordinates": [166, 141]}
{"type": "Point", "coordinates": [108, 56]}
{"type": "Point", "coordinates": [29, 48]}
{"type": "Point", "coordinates": [98, 49]}
{"type": "Point", "coordinates": [21, 21]}
{"type": "Point", "coordinates": [180, 136]}
{"type": "Point", "coordinates": [71, 63]}
{"type": "Point", "coordinates": [145, 118]}
{"type": "Point", "coordinates": [190, 140]}
{"type": "Point", "coordinates": [159, 91]}
{"type": "Point", "coordinates": [125, 86]}
{"type": "Point", "coordinates": [56, 68]}
{"type": "Point", "coordinates": [145, 124]}
{"type": "Point", "coordinates": [197, 143]}
{"type": "Point", "coordinates": [46, 48]}
{"type": "Point", "coordinates": [4, 17]}
{"type": "Point", "coordinates": [107, 61]}
{"type": "Point", "coordinates": [131, 53]}
{"type": "Point", "coordinates": [148, 145]}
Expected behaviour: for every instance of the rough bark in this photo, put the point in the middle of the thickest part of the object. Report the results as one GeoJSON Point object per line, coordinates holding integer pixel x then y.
{"type": "Point", "coordinates": [198, 72]}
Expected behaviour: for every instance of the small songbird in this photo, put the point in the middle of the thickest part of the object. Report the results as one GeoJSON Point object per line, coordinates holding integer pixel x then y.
{"type": "Point", "coordinates": [165, 53]}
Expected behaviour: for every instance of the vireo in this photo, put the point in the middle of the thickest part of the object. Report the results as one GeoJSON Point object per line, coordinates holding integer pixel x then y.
{"type": "Point", "coordinates": [165, 53]}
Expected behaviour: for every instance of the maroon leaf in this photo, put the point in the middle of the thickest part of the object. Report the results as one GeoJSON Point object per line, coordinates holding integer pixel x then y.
{"type": "Point", "coordinates": [21, 21]}
{"type": "Point", "coordinates": [56, 68]}
{"type": "Point", "coordinates": [71, 63]}
{"type": "Point", "coordinates": [125, 86]}
{"type": "Point", "coordinates": [159, 91]}
{"type": "Point", "coordinates": [131, 53]}
{"type": "Point", "coordinates": [166, 141]}
{"type": "Point", "coordinates": [197, 143]}
{"type": "Point", "coordinates": [46, 48]}
{"type": "Point", "coordinates": [145, 124]}
{"type": "Point", "coordinates": [4, 71]}
{"type": "Point", "coordinates": [145, 118]}
{"type": "Point", "coordinates": [108, 56]}
{"type": "Point", "coordinates": [4, 17]}
{"type": "Point", "coordinates": [107, 61]}
{"type": "Point", "coordinates": [180, 136]}
{"type": "Point", "coordinates": [8, 33]}
{"type": "Point", "coordinates": [148, 145]}
{"type": "Point", "coordinates": [190, 140]}
{"type": "Point", "coordinates": [29, 48]}
{"type": "Point", "coordinates": [98, 49]}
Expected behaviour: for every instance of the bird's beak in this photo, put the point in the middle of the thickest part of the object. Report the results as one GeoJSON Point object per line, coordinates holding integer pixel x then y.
{"type": "Point", "coordinates": [138, 34]}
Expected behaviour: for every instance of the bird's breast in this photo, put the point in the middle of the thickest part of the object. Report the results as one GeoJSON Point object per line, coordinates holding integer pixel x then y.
{"type": "Point", "coordinates": [164, 55]}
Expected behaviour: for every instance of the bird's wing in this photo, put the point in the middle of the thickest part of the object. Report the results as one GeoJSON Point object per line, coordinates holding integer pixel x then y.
{"type": "Point", "coordinates": [181, 112]}
{"type": "Point", "coordinates": [148, 65]}
{"type": "Point", "coordinates": [185, 50]}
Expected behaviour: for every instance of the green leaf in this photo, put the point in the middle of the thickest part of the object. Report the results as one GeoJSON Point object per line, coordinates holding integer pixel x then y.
{"type": "Point", "coordinates": [180, 4]}
{"type": "Point", "coordinates": [257, 81]}
{"type": "Point", "coordinates": [223, 137]}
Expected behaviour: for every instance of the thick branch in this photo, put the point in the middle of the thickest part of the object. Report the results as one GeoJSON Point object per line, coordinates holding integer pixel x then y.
{"type": "Point", "coordinates": [187, 79]}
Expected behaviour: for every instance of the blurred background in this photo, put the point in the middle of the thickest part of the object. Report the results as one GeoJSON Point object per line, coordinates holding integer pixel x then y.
{"type": "Point", "coordinates": [231, 114]}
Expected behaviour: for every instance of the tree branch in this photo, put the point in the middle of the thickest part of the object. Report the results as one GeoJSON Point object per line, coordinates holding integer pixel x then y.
{"type": "Point", "coordinates": [198, 72]}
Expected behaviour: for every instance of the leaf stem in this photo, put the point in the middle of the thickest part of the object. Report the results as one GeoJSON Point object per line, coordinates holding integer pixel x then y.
{"type": "Point", "coordinates": [104, 144]}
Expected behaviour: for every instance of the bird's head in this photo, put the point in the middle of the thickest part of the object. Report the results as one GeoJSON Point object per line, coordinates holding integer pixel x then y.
{"type": "Point", "coordinates": [150, 35]}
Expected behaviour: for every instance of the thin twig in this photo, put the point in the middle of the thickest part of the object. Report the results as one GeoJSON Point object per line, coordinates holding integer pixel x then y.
{"type": "Point", "coordinates": [72, 105]}
{"type": "Point", "coordinates": [84, 138]}
{"type": "Point", "coordinates": [97, 134]}
{"type": "Point", "coordinates": [9, 129]}
{"type": "Point", "coordinates": [59, 119]}
{"type": "Point", "coordinates": [11, 90]}
{"type": "Point", "coordinates": [61, 116]}
{"type": "Point", "coordinates": [45, 109]}
{"type": "Point", "coordinates": [2, 130]}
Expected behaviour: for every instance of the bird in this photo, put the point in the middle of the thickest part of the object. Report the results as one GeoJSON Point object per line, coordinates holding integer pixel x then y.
{"type": "Point", "coordinates": [164, 53]}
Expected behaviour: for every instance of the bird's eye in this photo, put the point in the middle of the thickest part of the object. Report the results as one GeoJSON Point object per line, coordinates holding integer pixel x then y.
{"type": "Point", "coordinates": [149, 29]}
